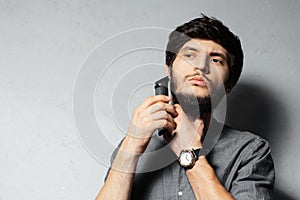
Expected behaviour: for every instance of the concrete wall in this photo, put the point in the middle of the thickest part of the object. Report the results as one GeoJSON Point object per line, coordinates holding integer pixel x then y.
{"type": "Point", "coordinates": [43, 45]}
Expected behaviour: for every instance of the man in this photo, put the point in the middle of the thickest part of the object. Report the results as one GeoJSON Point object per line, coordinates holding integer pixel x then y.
{"type": "Point", "coordinates": [202, 58]}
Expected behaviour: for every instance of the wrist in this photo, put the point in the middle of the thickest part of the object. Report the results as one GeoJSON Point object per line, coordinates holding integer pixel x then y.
{"type": "Point", "coordinates": [134, 145]}
{"type": "Point", "coordinates": [202, 165]}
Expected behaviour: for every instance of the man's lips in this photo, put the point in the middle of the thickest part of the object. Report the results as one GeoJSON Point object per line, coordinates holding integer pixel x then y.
{"type": "Point", "coordinates": [197, 80]}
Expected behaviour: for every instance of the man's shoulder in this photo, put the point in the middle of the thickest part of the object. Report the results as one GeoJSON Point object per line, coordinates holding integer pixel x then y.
{"type": "Point", "coordinates": [235, 142]}
{"type": "Point", "coordinates": [237, 136]}
{"type": "Point", "coordinates": [236, 148]}
{"type": "Point", "coordinates": [239, 154]}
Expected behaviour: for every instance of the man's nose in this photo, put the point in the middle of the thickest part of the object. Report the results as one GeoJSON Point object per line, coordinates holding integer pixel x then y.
{"type": "Point", "coordinates": [202, 64]}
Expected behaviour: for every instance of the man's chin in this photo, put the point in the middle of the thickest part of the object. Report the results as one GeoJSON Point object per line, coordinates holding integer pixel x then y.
{"type": "Point", "coordinates": [195, 106]}
{"type": "Point", "coordinates": [194, 97]}
{"type": "Point", "coordinates": [200, 92]}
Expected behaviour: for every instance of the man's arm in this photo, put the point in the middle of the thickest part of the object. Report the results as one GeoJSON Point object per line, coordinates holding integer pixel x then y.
{"type": "Point", "coordinates": [120, 178]}
{"type": "Point", "coordinates": [256, 173]}
{"type": "Point", "coordinates": [152, 114]}
{"type": "Point", "coordinates": [253, 179]}
{"type": "Point", "coordinates": [205, 183]}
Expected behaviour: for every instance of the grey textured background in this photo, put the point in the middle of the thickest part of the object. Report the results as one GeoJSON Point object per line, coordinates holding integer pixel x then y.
{"type": "Point", "coordinates": [44, 43]}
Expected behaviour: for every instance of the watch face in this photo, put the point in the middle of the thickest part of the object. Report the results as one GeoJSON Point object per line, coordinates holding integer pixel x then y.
{"type": "Point", "coordinates": [186, 159]}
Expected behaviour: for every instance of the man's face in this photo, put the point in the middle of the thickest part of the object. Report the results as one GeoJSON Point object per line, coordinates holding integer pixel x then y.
{"type": "Point", "coordinates": [200, 69]}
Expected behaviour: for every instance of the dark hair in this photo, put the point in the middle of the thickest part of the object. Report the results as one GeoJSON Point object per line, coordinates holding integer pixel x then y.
{"type": "Point", "coordinates": [209, 29]}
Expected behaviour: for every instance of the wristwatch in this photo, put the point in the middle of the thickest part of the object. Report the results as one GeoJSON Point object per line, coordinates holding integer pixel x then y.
{"type": "Point", "coordinates": [188, 157]}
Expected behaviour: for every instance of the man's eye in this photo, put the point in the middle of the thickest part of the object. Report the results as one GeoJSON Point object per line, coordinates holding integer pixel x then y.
{"type": "Point", "coordinates": [188, 55]}
{"type": "Point", "coordinates": [215, 60]}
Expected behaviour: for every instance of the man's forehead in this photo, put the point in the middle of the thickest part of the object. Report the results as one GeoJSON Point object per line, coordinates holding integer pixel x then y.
{"type": "Point", "coordinates": [203, 45]}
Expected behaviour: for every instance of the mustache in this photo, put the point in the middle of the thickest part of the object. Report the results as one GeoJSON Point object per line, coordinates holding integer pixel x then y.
{"type": "Point", "coordinates": [206, 79]}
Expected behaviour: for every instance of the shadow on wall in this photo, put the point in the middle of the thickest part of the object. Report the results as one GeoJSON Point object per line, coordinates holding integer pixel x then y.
{"type": "Point", "coordinates": [254, 108]}
{"type": "Point", "coordinates": [279, 195]}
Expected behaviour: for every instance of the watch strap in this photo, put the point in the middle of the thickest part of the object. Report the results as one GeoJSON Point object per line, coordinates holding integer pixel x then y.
{"type": "Point", "coordinates": [196, 153]}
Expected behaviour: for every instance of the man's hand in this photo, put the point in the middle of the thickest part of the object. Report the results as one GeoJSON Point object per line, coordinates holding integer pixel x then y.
{"type": "Point", "coordinates": [202, 177]}
{"type": "Point", "coordinates": [187, 133]}
{"type": "Point", "coordinates": [153, 113]}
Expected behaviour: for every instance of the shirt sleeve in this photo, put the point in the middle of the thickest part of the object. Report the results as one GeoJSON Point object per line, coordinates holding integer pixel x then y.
{"type": "Point", "coordinates": [256, 174]}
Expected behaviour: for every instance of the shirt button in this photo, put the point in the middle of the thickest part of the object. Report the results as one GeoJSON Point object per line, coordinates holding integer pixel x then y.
{"type": "Point", "coordinates": [180, 193]}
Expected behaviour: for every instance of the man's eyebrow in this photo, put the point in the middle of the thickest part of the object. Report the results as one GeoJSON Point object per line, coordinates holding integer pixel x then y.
{"type": "Point", "coordinates": [189, 48]}
{"type": "Point", "coordinates": [218, 54]}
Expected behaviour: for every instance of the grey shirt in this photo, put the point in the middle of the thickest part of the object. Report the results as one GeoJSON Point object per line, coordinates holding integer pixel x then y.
{"type": "Point", "coordinates": [241, 161]}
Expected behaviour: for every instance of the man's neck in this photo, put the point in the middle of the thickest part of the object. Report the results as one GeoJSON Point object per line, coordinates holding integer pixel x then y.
{"type": "Point", "coordinates": [204, 117]}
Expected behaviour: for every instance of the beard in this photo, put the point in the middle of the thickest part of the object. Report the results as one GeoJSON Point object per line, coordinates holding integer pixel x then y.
{"type": "Point", "coordinates": [192, 105]}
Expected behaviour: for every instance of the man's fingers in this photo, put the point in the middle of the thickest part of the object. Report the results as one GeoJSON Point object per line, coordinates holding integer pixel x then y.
{"type": "Point", "coordinates": [154, 99]}
{"type": "Point", "coordinates": [164, 123]}
{"type": "Point", "coordinates": [161, 115]}
{"type": "Point", "coordinates": [161, 106]}
{"type": "Point", "coordinates": [178, 108]}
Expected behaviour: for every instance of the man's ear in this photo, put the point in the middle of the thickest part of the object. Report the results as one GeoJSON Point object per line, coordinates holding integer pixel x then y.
{"type": "Point", "coordinates": [167, 70]}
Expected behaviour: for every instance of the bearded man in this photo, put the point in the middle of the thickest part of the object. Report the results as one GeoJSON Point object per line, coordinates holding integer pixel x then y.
{"type": "Point", "coordinates": [203, 58]}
